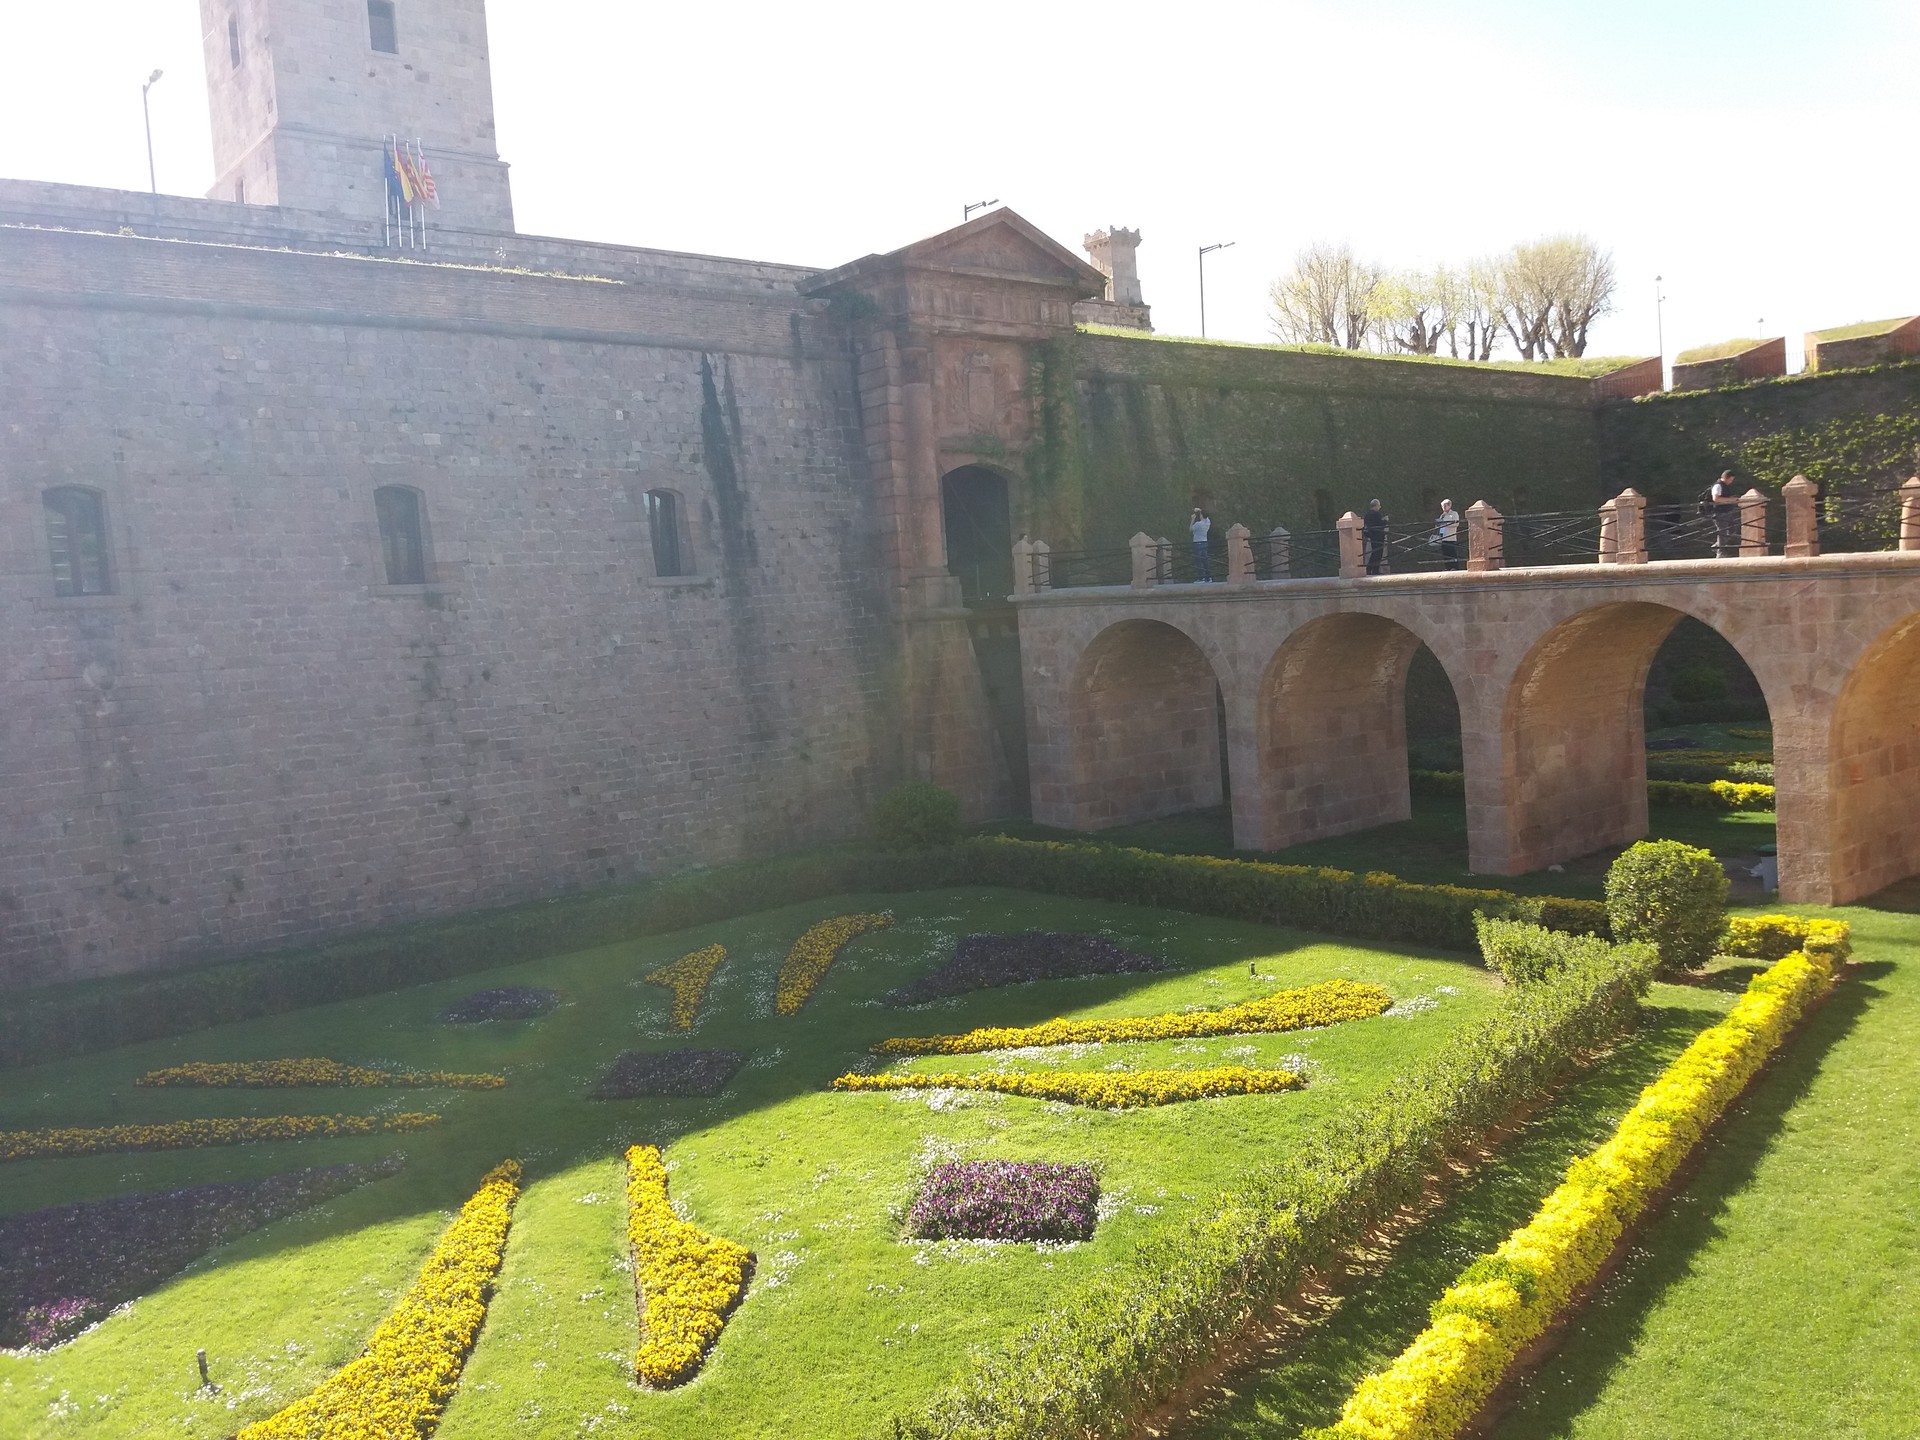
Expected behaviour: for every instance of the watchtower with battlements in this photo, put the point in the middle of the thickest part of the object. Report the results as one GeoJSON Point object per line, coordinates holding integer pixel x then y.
{"type": "Point", "coordinates": [304, 94]}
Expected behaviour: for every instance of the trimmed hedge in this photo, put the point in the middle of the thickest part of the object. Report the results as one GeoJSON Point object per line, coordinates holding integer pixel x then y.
{"type": "Point", "coordinates": [1715, 795]}
{"type": "Point", "coordinates": [75, 1019]}
{"type": "Point", "coordinates": [1127, 1341]}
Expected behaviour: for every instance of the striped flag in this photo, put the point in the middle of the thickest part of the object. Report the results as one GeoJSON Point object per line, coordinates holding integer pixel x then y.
{"type": "Point", "coordinates": [423, 177]}
{"type": "Point", "coordinates": [398, 183]}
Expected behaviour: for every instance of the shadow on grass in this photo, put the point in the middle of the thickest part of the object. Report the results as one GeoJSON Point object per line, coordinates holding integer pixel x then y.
{"type": "Point", "coordinates": [1663, 1249]}
{"type": "Point", "coordinates": [1306, 1384]}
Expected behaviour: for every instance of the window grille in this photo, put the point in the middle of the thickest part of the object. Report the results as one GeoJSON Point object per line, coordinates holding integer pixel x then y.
{"type": "Point", "coordinates": [77, 538]}
{"type": "Point", "coordinates": [402, 542]}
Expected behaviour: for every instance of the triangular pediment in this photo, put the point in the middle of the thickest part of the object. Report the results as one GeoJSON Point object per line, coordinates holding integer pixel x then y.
{"type": "Point", "coordinates": [1000, 243]}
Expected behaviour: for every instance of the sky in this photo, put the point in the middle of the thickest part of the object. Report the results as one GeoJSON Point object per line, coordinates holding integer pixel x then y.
{"type": "Point", "coordinates": [1758, 156]}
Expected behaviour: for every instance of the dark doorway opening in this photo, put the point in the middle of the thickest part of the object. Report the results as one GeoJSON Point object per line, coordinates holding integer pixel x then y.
{"type": "Point", "coordinates": [979, 523]}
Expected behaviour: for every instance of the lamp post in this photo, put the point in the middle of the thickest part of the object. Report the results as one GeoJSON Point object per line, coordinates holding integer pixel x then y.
{"type": "Point", "coordinates": [1204, 250]}
{"type": "Point", "coordinates": [1659, 319]}
{"type": "Point", "coordinates": [147, 114]}
{"type": "Point", "coordinates": [967, 213]}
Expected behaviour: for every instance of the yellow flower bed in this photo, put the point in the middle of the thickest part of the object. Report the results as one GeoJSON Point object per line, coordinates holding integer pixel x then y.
{"type": "Point", "coordinates": [399, 1386]}
{"type": "Point", "coordinates": [1769, 937]}
{"type": "Point", "coordinates": [813, 952]}
{"type": "Point", "coordinates": [194, 1134]}
{"type": "Point", "coordinates": [293, 1074]}
{"type": "Point", "coordinates": [688, 1280]}
{"type": "Point", "coordinates": [687, 977]}
{"type": "Point", "coordinates": [1327, 1003]}
{"type": "Point", "coordinates": [1101, 1089]}
{"type": "Point", "coordinates": [1504, 1301]}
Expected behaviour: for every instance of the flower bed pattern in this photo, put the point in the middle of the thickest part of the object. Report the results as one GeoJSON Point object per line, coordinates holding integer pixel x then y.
{"type": "Point", "coordinates": [687, 978]}
{"type": "Point", "coordinates": [295, 1074]}
{"type": "Point", "coordinates": [196, 1134]}
{"type": "Point", "coordinates": [1100, 1089]}
{"type": "Point", "coordinates": [509, 1002]}
{"type": "Point", "coordinates": [688, 1281]}
{"type": "Point", "coordinates": [670, 1072]}
{"type": "Point", "coordinates": [806, 963]}
{"type": "Point", "coordinates": [64, 1268]}
{"type": "Point", "coordinates": [399, 1386]}
{"type": "Point", "coordinates": [1504, 1301]}
{"type": "Point", "coordinates": [983, 962]}
{"type": "Point", "coordinates": [1328, 1003]}
{"type": "Point", "coordinates": [1006, 1200]}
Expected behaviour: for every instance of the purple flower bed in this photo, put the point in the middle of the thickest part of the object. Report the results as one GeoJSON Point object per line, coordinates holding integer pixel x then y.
{"type": "Point", "coordinates": [981, 962]}
{"type": "Point", "coordinates": [63, 1269]}
{"type": "Point", "coordinates": [668, 1072]}
{"type": "Point", "coordinates": [1006, 1200]}
{"type": "Point", "coordinates": [509, 1002]}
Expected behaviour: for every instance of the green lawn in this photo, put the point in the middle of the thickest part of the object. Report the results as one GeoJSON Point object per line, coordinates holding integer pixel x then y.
{"type": "Point", "coordinates": [845, 1322]}
{"type": "Point", "coordinates": [1773, 1298]}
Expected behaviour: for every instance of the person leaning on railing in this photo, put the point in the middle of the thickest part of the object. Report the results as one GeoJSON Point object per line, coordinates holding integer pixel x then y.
{"type": "Point", "coordinates": [1446, 534]}
{"type": "Point", "coordinates": [1374, 529]}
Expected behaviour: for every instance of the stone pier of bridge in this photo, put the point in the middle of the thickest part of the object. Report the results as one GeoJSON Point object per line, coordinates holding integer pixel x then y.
{"type": "Point", "coordinates": [1289, 697]}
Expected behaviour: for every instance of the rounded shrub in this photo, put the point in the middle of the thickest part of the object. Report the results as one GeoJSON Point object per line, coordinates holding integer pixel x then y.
{"type": "Point", "coordinates": [916, 816]}
{"type": "Point", "coordinates": [1670, 895]}
{"type": "Point", "coordinates": [1699, 684]}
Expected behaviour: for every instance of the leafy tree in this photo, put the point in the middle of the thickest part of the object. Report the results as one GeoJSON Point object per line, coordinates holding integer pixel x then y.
{"type": "Point", "coordinates": [1326, 299]}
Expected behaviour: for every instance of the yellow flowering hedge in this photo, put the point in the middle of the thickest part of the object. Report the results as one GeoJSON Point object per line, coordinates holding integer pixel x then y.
{"type": "Point", "coordinates": [1712, 795]}
{"type": "Point", "coordinates": [687, 978]}
{"type": "Point", "coordinates": [1770, 937]}
{"type": "Point", "coordinates": [411, 1366]}
{"type": "Point", "coordinates": [1101, 1089]}
{"type": "Point", "coordinates": [195, 1134]}
{"type": "Point", "coordinates": [688, 1280]}
{"type": "Point", "coordinates": [1327, 1003]}
{"type": "Point", "coordinates": [813, 952]}
{"type": "Point", "coordinates": [292, 1074]}
{"type": "Point", "coordinates": [1504, 1301]}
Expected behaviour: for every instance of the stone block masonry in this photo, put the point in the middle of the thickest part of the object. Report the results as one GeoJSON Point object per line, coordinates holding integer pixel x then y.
{"type": "Point", "coordinates": [255, 740]}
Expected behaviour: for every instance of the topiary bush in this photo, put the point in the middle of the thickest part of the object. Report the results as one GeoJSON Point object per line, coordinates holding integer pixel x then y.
{"type": "Point", "coordinates": [1670, 895]}
{"type": "Point", "coordinates": [916, 816]}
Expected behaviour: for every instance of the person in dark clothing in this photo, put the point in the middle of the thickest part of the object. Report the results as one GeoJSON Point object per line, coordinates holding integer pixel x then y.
{"type": "Point", "coordinates": [1725, 498]}
{"type": "Point", "coordinates": [1373, 529]}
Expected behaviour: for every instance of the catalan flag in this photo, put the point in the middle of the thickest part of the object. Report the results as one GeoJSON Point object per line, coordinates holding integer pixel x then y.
{"type": "Point", "coordinates": [423, 177]}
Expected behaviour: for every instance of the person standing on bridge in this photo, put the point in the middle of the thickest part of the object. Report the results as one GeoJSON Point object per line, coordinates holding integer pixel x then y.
{"type": "Point", "coordinates": [1201, 526]}
{"type": "Point", "coordinates": [1373, 529]}
{"type": "Point", "coordinates": [1446, 534]}
{"type": "Point", "coordinates": [1726, 516]}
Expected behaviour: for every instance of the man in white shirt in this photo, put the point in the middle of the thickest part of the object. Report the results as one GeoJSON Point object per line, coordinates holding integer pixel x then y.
{"type": "Point", "coordinates": [1446, 532]}
{"type": "Point", "coordinates": [1200, 526]}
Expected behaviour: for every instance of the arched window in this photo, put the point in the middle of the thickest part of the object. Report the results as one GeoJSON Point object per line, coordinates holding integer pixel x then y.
{"type": "Point", "coordinates": [664, 524]}
{"type": "Point", "coordinates": [77, 538]}
{"type": "Point", "coordinates": [402, 534]}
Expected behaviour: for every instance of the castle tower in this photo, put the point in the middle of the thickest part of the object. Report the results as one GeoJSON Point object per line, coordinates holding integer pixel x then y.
{"type": "Point", "coordinates": [305, 92]}
{"type": "Point", "coordinates": [1112, 253]}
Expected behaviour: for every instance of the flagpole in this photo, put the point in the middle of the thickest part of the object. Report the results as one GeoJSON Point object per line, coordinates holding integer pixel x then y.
{"type": "Point", "coordinates": [420, 164]}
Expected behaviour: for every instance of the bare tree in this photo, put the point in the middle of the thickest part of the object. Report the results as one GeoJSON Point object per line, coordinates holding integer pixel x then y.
{"type": "Point", "coordinates": [1481, 310]}
{"type": "Point", "coordinates": [1552, 290]}
{"type": "Point", "coordinates": [1326, 298]}
{"type": "Point", "coordinates": [1412, 309]}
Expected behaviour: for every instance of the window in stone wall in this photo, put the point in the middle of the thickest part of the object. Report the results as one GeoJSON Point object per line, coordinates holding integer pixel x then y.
{"type": "Point", "coordinates": [77, 538]}
{"type": "Point", "coordinates": [233, 42]}
{"type": "Point", "coordinates": [380, 26]}
{"type": "Point", "coordinates": [402, 534]}
{"type": "Point", "coordinates": [663, 522]}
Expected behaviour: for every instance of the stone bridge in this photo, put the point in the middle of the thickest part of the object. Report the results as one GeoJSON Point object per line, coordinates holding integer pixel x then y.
{"type": "Point", "coordinates": [1131, 691]}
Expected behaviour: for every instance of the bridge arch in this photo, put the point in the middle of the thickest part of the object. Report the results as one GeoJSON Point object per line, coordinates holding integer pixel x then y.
{"type": "Point", "coordinates": [1143, 727]}
{"type": "Point", "coordinates": [1566, 774]}
{"type": "Point", "coordinates": [1330, 732]}
{"type": "Point", "coordinates": [1872, 768]}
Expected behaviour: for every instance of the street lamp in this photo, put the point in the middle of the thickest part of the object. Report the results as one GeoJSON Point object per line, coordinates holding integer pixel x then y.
{"type": "Point", "coordinates": [1204, 249]}
{"type": "Point", "coordinates": [967, 213]}
{"type": "Point", "coordinates": [152, 80]}
{"type": "Point", "coordinates": [1659, 317]}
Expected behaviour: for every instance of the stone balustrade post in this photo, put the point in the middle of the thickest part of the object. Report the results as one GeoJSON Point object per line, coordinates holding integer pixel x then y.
{"type": "Point", "coordinates": [1629, 528]}
{"type": "Point", "coordinates": [1146, 561]}
{"type": "Point", "coordinates": [1239, 556]}
{"type": "Point", "coordinates": [1023, 566]}
{"type": "Point", "coordinates": [1910, 514]}
{"type": "Point", "coordinates": [1486, 537]}
{"type": "Point", "coordinates": [1351, 563]}
{"type": "Point", "coordinates": [1753, 523]}
{"type": "Point", "coordinates": [1803, 526]}
{"type": "Point", "coordinates": [1279, 554]}
{"type": "Point", "coordinates": [1609, 534]}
